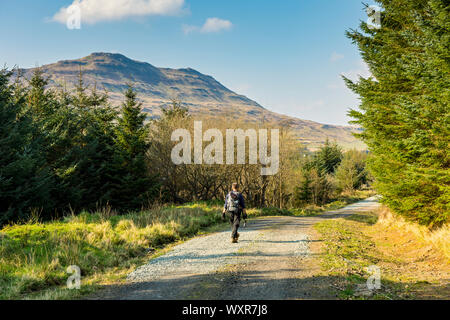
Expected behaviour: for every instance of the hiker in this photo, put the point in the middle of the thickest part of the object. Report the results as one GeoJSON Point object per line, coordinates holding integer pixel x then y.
{"type": "Point", "coordinates": [235, 205]}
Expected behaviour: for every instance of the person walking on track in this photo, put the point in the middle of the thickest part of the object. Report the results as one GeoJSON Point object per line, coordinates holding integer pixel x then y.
{"type": "Point", "coordinates": [235, 206]}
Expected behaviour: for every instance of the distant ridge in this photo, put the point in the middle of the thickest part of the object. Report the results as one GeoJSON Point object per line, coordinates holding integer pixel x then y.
{"type": "Point", "coordinates": [202, 94]}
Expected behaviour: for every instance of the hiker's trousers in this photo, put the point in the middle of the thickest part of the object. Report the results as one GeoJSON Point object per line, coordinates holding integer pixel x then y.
{"type": "Point", "coordinates": [235, 219]}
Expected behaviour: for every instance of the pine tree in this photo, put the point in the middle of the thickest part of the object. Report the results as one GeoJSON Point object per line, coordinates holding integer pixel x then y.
{"type": "Point", "coordinates": [133, 185]}
{"type": "Point", "coordinates": [328, 158]}
{"type": "Point", "coordinates": [25, 181]}
{"type": "Point", "coordinates": [405, 106]}
{"type": "Point", "coordinates": [95, 166]}
{"type": "Point", "coordinates": [40, 100]}
{"type": "Point", "coordinates": [79, 133]}
{"type": "Point", "coordinates": [303, 193]}
{"type": "Point", "coordinates": [61, 126]}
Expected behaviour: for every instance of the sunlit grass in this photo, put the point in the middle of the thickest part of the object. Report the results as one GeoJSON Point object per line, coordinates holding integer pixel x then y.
{"type": "Point", "coordinates": [439, 238]}
{"type": "Point", "coordinates": [34, 256]}
{"type": "Point", "coordinates": [409, 268]}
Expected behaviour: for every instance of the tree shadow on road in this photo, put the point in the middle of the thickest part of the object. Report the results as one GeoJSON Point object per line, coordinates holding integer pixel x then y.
{"type": "Point", "coordinates": [251, 285]}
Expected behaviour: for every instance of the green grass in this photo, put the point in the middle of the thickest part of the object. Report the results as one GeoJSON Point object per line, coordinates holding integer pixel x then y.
{"type": "Point", "coordinates": [348, 252]}
{"type": "Point", "coordinates": [34, 256]}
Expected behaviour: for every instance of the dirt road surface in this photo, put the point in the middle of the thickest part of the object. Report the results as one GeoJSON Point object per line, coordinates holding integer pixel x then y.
{"type": "Point", "coordinates": [274, 259]}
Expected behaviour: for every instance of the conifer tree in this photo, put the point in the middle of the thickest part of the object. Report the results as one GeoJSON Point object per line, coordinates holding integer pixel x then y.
{"type": "Point", "coordinates": [303, 193]}
{"type": "Point", "coordinates": [25, 182]}
{"type": "Point", "coordinates": [328, 158]}
{"type": "Point", "coordinates": [61, 127]}
{"type": "Point", "coordinates": [133, 185]}
{"type": "Point", "coordinates": [404, 107]}
{"type": "Point", "coordinates": [79, 142]}
{"type": "Point", "coordinates": [95, 166]}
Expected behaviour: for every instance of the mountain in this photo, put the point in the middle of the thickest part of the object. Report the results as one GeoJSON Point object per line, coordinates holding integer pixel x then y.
{"type": "Point", "coordinates": [202, 94]}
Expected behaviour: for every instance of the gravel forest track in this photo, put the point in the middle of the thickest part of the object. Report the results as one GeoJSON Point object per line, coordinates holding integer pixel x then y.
{"type": "Point", "coordinates": [274, 259]}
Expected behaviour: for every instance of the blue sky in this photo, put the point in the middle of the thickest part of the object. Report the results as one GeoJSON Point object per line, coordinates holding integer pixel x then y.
{"type": "Point", "coordinates": [287, 55]}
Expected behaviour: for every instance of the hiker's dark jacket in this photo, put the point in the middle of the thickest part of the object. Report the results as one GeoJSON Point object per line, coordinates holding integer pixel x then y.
{"type": "Point", "coordinates": [240, 197]}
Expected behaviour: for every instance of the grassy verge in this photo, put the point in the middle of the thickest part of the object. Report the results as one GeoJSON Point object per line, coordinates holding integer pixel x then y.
{"type": "Point", "coordinates": [439, 238]}
{"type": "Point", "coordinates": [34, 256]}
{"type": "Point", "coordinates": [409, 267]}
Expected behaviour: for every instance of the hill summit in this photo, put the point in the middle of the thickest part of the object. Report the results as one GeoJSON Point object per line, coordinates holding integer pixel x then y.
{"type": "Point", "coordinates": [202, 94]}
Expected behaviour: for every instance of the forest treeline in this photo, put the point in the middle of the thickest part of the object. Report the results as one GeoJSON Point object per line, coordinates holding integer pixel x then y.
{"type": "Point", "coordinates": [64, 151]}
{"type": "Point", "coordinates": [405, 108]}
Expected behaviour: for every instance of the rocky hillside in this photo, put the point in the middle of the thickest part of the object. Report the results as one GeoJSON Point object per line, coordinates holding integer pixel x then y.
{"type": "Point", "coordinates": [202, 94]}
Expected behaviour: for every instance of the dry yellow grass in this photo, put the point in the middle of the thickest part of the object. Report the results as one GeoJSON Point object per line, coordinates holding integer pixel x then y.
{"type": "Point", "coordinates": [413, 260]}
{"type": "Point", "coordinates": [439, 238]}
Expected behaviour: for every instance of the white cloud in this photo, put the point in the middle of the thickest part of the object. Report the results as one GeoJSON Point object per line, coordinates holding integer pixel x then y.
{"type": "Point", "coordinates": [336, 57]}
{"type": "Point", "coordinates": [361, 69]}
{"type": "Point", "coordinates": [216, 25]}
{"type": "Point", "coordinates": [93, 11]}
{"type": "Point", "coordinates": [211, 25]}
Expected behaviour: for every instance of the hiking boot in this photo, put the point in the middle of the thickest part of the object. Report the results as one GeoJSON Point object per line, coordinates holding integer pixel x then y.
{"type": "Point", "coordinates": [234, 240]}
